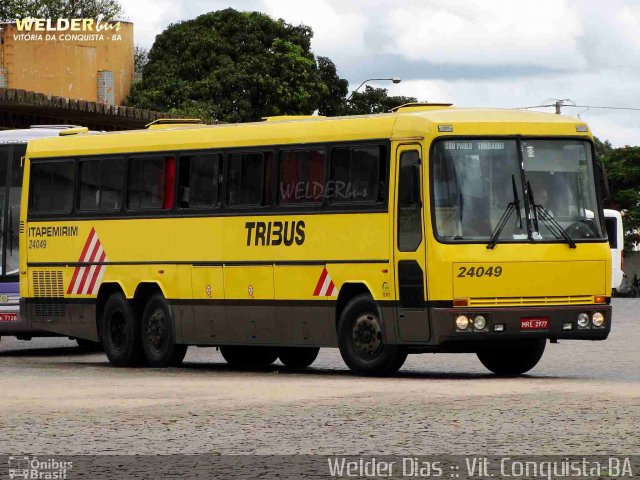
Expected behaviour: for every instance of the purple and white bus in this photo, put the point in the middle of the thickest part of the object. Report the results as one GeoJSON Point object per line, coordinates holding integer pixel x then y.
{"type": "Point", "coordinates": [13, 144]}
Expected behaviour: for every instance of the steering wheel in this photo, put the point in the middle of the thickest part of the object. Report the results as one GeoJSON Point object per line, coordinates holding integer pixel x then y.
{"type": "Point", "coordinates": [582, 229]}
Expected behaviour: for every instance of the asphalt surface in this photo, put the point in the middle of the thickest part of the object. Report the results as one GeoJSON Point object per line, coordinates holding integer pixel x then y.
{"type": "Point", "coordinates": [583, 398]}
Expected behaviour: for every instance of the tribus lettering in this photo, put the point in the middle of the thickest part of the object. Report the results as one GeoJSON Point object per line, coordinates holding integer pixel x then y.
{"type": "Point", "coordinates": [275, 233]}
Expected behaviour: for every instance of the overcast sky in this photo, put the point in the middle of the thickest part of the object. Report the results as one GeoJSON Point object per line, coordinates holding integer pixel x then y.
{"type": "Point", "coordinates": [473, 53]}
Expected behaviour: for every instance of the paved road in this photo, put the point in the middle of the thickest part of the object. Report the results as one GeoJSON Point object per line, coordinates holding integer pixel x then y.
{"type": "Point", "coordinates": [583, 398]}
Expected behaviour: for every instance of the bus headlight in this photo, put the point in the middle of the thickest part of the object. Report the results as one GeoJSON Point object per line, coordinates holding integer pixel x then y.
{"type": "Point", "coordinates": [479, 322]}
{"type": "Point", "coordinates": [597, 319]}
{"type": "Point", "coordinates": [462, 322]}
{"type": "Point", "coordinates": [583, 320]}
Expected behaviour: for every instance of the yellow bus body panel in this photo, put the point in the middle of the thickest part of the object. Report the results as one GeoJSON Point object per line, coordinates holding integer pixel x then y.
{"type": "Point", "coordinates": [205, 259]}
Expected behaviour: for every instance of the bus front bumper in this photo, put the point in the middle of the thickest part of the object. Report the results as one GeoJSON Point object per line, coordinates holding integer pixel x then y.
{"type": "Point", "coordinates": [513, 323]}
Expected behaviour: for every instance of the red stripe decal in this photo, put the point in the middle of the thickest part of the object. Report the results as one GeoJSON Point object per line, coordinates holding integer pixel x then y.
{"type": "Point", "coordinates": [323, 276]}
{"type": "Point", "coordinates": [86, 245]}
{"type": "Point", "coordinates": [76, 271]}
{"type": "Point", "coordinates": [94, 252]}
{"type": "Point", "coordinates": [73, 280]}
{"type": "Point", "coordinates": [96, 274]}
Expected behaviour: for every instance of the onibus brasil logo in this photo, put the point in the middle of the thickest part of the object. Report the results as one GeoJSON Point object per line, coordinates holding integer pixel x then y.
{"type": "Point", "coordinates": [67, 29]}
{"type": "Point", "coordinates": [34, 468]}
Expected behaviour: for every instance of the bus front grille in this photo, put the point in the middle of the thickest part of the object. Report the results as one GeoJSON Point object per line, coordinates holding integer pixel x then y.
{"type": "Point", "coordinates": [515, 301]}
{"type": "Point", "coordinates": [48, 291]}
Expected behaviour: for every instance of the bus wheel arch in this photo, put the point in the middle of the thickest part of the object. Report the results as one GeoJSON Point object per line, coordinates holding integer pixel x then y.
{"type": "Point", "coordinates": [348, 292]}
{"type": "Point", "coordinates": [144, 292]}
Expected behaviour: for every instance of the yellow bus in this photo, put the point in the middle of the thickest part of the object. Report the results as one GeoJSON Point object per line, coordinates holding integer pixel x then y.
{"type": "Point", "coordinates": [427, 229]}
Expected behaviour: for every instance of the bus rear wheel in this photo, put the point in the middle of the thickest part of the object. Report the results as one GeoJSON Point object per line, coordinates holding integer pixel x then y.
{"type": "Point", "coordinates": [514, 359]}
{"type": "Point", "coordinates": [248, 356]}
{"type": "Point", "coordinates": [158, 339]}
{"type": "Point", "coordinates": [361, 340]}
{"type": "Point", "coordinates": [120, 333]}
{"type": "Point", "coordinates": [298, 358]}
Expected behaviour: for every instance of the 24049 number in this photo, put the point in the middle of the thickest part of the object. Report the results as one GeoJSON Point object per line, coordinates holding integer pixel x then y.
{"type": "Point", "coordinates": [479, 271]}
{"type": "Point", "coordinates": [33, 244]}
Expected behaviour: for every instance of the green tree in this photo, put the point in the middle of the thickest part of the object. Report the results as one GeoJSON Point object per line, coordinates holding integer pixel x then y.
{"type": "Point", "coordinates": [12, 9]}
{"type": "Point", "coordinates": [374, 100]}
{"type": "Point", "coordinates": [334, 89]}
{"type": "Point", "coordinates": [140, 58]}
{"type": "Point", "coordinates": [602, 147]}
{"type": "Point", "coordinates": [623, 170]}
{"type": "Point", "coordinates": [236, 66]}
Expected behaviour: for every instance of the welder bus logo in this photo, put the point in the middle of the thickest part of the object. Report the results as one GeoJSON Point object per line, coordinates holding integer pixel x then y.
{"type": "Point", "coordinates": [87, 278]}
{"type": "Point", "coordinates": [67, 29]}
{"type": "Point", "coordinates": [325, 286]}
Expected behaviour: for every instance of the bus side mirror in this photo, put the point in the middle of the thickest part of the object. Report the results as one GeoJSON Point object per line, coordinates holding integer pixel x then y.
{"type": "Point", "coordinates": [604, 182]}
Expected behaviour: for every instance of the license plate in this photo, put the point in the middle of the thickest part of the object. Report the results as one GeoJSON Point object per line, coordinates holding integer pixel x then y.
{"type": "Point", "coordinates": [8, 317]}
{"type": "Point", "coordinates": [534, 323]}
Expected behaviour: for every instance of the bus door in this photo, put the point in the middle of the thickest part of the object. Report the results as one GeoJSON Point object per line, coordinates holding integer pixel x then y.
{"type": "Point", "coordinates": [409, 246]}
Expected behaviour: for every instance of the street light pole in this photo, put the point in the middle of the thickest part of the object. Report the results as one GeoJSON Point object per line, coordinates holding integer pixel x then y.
{"type": "Point", "coordinates": [394, 80]}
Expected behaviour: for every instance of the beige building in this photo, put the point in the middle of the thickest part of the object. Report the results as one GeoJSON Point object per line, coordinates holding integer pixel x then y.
{"type": "Point", "coordinates": [82, 59]}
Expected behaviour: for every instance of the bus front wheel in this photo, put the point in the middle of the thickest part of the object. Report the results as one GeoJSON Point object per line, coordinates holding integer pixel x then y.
{"type": "Point", "coordinates": [361, 340]}
{"type": "Point", "coordinates": [297, 358]}
{"type": "Point", "coordinates": [120, 333]}
{"type": "Point", "coordinates": [158, 339]}
{"type": "Point", "coordinates": [515, 359]}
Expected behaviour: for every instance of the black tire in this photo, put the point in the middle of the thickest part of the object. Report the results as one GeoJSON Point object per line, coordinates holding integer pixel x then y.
{"type": "Point", "coordinates": [515, 359]}
{"type": "Point", "coordinates": [249, 356]}
{"type": "Point", "coordinates": [158, 339]}
{"type": "Point", "coordinates": [298, 358]}
{"type": "Point", "coordinates": [120, 332]}
{"type": "Point", "coordinates": [89, 345]}
{"type": "Point", "coordinates": [361, 340]}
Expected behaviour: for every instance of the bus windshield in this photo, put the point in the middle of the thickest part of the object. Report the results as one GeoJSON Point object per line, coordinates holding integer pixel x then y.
{"type": "Point", "coordinates": [475, 181]}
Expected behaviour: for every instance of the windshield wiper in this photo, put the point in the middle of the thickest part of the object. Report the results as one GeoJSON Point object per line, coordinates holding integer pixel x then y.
{"type": "Point", "coordinates": [515, 205]}
{"type": "Point", "coordinates": [539, 212]}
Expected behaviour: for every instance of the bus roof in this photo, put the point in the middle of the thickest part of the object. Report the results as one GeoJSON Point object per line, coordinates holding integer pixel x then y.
{"type": "Point", "coordinates": [410, 123]}
{"type": "Point", "coordinates": [23, 135]}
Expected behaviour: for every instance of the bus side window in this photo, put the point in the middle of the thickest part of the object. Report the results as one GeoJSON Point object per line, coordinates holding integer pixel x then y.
{"type": "Point", "coordinates": [151, 182]}
{"type": "Point", "coordinates": [52, 186]}
{"type": "Point", "coordinates": [101, 184]}
{"type": "Point", "coordinates": [249, 179]}
{"type": "Point", "coordinates": [301, 179]}
{"type": "Point", "coordinates": [200, 181]}
{"type": "Point", "coordinates": [89, 185]}
{"type": "Point", "coordinates": [358, 175]}
{"type": "Point", "coordinates": [611, 224]}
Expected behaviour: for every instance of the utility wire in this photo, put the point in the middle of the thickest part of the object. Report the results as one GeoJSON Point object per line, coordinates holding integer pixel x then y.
{"type": "Point", "coordinates": [579, 106]}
